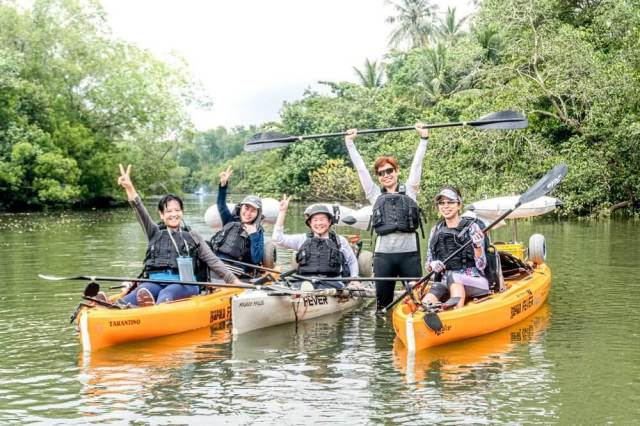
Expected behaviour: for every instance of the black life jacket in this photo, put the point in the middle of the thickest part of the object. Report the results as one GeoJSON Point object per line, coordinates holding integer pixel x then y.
{"type": "Point", "coordinates": [321, 256]}
{"type": "Point", "coordinates": [233, 241]}
{"type": "Point", "coordinates": [161, 253]}
{"type": "Point", "coordinates": [395, 212]}
{"type": "Point", "coordinates": [447, 240]}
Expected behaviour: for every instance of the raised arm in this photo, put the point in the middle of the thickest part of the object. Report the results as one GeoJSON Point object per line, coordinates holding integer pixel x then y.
{"type": "Point", "coordinates": [413, 181]}
{"type": "Point", "coordinates": [148, 225]}
{"type": "Point", "coordinates": [221, 201]}
{"type": "Point", "coordinates": [279, 238]}
{"type": "Point", "coordinates": [371, 190]}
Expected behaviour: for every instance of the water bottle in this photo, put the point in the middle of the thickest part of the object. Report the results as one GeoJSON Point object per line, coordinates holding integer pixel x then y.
{"type": "Point", "coordinates": [185, 268]}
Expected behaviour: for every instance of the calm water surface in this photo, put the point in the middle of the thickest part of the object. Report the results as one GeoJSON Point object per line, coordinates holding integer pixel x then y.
{"type": "Point", "coordinates": [577, 361]}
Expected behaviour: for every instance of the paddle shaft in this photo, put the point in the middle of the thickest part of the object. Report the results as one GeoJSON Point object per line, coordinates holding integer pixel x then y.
{"type": "Point", "coordinates": [314, 278]}
{"type": "Point", "coordinates": [159, 281]}
{"type": "Point", "coordinates": [389, 129]}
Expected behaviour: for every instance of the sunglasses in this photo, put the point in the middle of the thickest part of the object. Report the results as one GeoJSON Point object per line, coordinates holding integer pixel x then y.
{"type": "Point", "coordinates": [447, 203]}
{"type": "Point", "coordinates": [385, 172]}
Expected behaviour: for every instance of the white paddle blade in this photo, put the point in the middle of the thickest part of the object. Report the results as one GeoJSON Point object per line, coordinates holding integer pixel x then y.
{"type": "Point", "coordinates": [493, 208]}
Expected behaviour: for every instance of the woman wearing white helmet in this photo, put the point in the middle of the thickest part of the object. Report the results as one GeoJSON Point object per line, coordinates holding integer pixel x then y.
{"type": "Point", "coordinates": [321, 252]}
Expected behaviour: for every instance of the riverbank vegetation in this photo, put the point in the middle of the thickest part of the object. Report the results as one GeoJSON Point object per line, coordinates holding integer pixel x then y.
{"type": "Point", "coordinates": [74, 102]}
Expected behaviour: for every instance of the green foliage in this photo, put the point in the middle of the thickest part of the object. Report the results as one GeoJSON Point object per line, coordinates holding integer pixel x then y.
{"type": "Point", "coordinates": [569, 67]}
{"type": "Point", "coordinates": [74, 103]}
{"type": "Point", "coordinates": [335, 181]}
{"type": "Point", "coordinates": [371, 75]}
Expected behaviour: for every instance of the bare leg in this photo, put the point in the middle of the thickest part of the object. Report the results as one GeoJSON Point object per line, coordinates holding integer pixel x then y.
{"type": "Point", "coordinates": [457, 290]}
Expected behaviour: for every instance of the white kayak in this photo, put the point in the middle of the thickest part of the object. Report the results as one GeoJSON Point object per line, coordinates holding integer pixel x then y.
{"type": "Point", "coordinates": [256, 309]}
{"type": "Point", "coordinates": [488, 210]}
{"type": "Point", "coordinates": [493, 208]}
{"type": "Point", "coordinates": [271, 207]}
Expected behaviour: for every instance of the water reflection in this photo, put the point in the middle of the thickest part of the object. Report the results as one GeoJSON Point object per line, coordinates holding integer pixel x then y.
{"type": "Point", "coordinates": [581, 366]}
{"type": "Point", "coordinates": [453, 361]}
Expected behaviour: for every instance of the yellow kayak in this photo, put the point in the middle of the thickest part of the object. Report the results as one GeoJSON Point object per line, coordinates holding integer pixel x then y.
{"type": "Point", "coordinates": [101, 327]}
{"type": "Point", "coordinates": [458, 357]}
{"type": "Point", "coordinates": [523, 296]}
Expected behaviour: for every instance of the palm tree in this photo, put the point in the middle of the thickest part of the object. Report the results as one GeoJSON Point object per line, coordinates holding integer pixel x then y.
{"type": "Point", "coordinates": [371, 75]}
{"type": "Point", "coordinates": [414, 22]}
{"type": "Point", "coordinates": [490, 40]}
{"type": "Point", "coordinates": [449, 30]}
{"type": "Point", "coordinates": [438, 80]}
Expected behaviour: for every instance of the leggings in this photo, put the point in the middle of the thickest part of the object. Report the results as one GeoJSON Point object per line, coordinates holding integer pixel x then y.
{"type": "Point", "coordinates": [393, 265]}
{"type": "Point", "coordinates": [163, 293]}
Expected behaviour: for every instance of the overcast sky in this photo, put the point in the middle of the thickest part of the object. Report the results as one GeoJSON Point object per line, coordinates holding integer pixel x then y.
{"type": "Point", "coordinates": [252, 55]}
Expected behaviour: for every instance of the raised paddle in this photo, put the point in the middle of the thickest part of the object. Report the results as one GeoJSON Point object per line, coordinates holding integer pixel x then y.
{"type": "Point", "coordinates": [502, 120]}
{"type": "Point", "coordinates": [542, 187]}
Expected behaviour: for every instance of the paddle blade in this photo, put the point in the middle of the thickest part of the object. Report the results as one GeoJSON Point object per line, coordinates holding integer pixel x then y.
{"type": "Point", "coordinates": [501, 120]}
{"type": "Point", "coordinates": [92, 289]}
{"type": "Point", "coordinates": [259, 146]}
{"type": "Point", "coordinates": [545, 185]}
{"type": "Point", "coordinates": [433, 322]}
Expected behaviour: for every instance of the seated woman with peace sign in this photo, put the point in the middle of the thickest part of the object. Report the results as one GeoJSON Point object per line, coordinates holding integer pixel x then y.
{"type": "Point", "coordinates": [169, 245]}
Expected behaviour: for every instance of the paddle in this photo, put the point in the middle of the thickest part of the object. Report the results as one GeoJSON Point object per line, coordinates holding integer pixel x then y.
{"type": "Point", "coordinates": [542, 187]}
{"type": "Point", "coordinates": [502, 120]}
{"type": "Point", "coordinates": [214, 284]}
{"type": "Point", "coordinates": [91, 290]}
{"type": "Point", "coordinates": [313, 278]}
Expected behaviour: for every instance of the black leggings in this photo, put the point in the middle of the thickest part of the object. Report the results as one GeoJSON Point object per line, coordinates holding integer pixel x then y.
{"type": "Point", "coordinates": [393, 265]}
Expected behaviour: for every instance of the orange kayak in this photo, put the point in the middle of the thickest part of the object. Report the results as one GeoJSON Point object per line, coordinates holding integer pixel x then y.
{"type": "Point", "coordinates": [523, 296]}
{"type": "Point", "coordinates": [460, 356]}
{"type": "Point", "coordinates": [101, 327]}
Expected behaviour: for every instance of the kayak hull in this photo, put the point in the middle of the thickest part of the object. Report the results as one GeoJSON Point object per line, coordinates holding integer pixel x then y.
{"type": "Point", "coordinates": [522, 298]}
{"type": "Point", "coordinates": [101, 327]}
{"type": "Point", "coordinates": [256, 309]}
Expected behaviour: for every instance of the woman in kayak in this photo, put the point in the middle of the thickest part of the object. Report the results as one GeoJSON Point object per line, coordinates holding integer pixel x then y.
{"type": "Point", "coordinates": [395, 215]}
{"type": "Point", "coordinates": [321, 252]}
{"type": "Point", "coordinates": [171, 247]}
{"type": "Point", "coordinates": [463, 275]}
{"type": "Point", "coordinates": [242, 235]}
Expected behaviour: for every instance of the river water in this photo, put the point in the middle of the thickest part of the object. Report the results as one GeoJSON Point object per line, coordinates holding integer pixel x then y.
{"type": "Point", "coordinates": [576, 361]}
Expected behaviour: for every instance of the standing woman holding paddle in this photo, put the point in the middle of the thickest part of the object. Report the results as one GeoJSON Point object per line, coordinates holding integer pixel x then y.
{"type": "Point", "coordinates": [395, 215]}
{"type": "Point", "coordinates": [171, 250]}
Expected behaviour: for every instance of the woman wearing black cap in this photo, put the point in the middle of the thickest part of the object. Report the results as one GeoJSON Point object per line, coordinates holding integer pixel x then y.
{"type": "Point", "coordinates": [242, 235]}
{"type": "Point", "coordinates": [463, 275]}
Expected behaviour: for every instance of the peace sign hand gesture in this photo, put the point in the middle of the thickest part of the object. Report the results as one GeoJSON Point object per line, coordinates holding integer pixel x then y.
{"type": "Point", "coordinates": [284, 203]}
{"type": "Point", "coordinates": [124, 180]}
{"type": "Point", "coordinates": [224, 176]}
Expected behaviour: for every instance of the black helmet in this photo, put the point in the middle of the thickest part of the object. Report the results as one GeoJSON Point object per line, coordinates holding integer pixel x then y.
{"type": "Point", "coordinates": [314, 209]}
